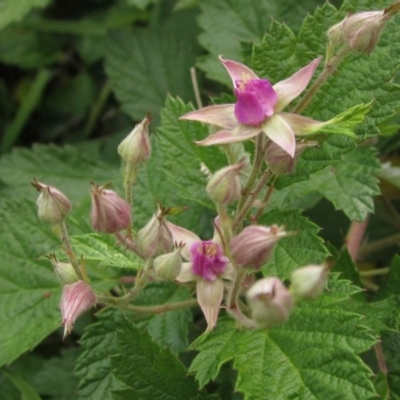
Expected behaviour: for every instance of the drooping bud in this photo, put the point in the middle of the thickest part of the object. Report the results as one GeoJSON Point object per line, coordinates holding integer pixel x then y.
{"type": "Point", "coordinates": [209, 296]}
{"type": "Point", "coordinates": [270, 302]}
{"type": "Point", "coordinates": [224, 186]}
{"type": "Point", "coordinates": [208, 260]}
{"type": "Point", "coordinates": [65, 272]}
{"type": "Point", "coordinates": [168, 266]}
{"type": "Point", "coordinates": [135, 149]}
{"type": "Point", "coordinates": [155, 238]}
{"type": "Point", "coordinates": [53, 205]}
{"type": "Point", "coordinates": [280, 162]}
{"type": "Point", "coordinates": [109, 213]}
{"type": "Point", "coordinates": [360, 31]}
{"type": "Point", "coordinates": [308, 282]}
{"type": "Point", "coordinates": [76, 299]}
{"type": "Point", "coordinates": [251, 247]}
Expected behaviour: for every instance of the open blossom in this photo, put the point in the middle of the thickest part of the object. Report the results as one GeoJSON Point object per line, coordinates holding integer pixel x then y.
{"type": "Point", "coordinates": [259, 109]}
{"type": "Point", "coordinates": [207, 266]}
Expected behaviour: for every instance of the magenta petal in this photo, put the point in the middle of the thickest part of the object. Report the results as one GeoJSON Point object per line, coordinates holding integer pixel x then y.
{"type": "Point", "coordinates": [290, 88]}
{"type": "Point", "coordinates": [239, 134]}
{"type": "Point", "coordinates": [238, 71]}
{"type": "Point", "coordinates": [221, 115]}
{"type": "Point", "coordinates": [280, 133]}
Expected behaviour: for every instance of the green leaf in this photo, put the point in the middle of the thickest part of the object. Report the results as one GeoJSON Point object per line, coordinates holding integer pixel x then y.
{"type": "Point", "coordinates": [12, 11]}
{"type": "Point", "coordinates": [300, 249]}
{"type": "Point", "coordinates": [170, 329]}
{"type": "Point", "coordinates": [160, 375]}
{"type": "Point", "coordinates": [141, 79]}
{"type": "Point", "coordinates": [29, 291]}
{"type": "Point", "coordinates": [105, 250]}
{"type": "Point", "coordinates": [94, 366]}
{"type": "Point", "coordinates": [313, 356]}
{"type": "Point", "coordinates": [27, 391]}
{"type": "Point", "coordinates": [227, 23]}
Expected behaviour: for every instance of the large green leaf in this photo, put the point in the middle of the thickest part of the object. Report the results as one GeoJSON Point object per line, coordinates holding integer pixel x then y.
{"type": "Point", "coordinates": [227, 23]}
{"type": "Point", "coordinates": [12, 10]}
{"type": "Point", "coordinates": [150, 372]}
{"type": "Point", "coordinates": [313, 356]}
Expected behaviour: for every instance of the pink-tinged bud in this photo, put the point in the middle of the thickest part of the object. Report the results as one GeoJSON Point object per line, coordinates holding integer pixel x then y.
{"type": "Point", "coordinates": [155, 238]}
{"type": "Point", "coordinates": [280, 162]}
{"type": "Point", "coordinates": [53, 205]}
{"type": "Point", "coordinates": [109, 213]}
{"type": "Point", "coordinates": [208, 260]}
{"type": "Point", "coordinates": [135, 149]}
{"type": "Point", "coordinates": [76, 299]}
{"type": "Point", "coordinates": [308, 282]}
{"type": "Point", "coordinates": [224, 186]}
{"type": "Point", "coordinates": [270, 302]}
{"type": "Point", "coordinates": [360, 31]}
{"type": "Point", "coordinates": [252, 247]}
{"type": "Point", "coordinates": [65, 272]}
{"type": "Point", "coordinates": [168, 266]}
{"type": "Point", "coordinates": [209, 296]}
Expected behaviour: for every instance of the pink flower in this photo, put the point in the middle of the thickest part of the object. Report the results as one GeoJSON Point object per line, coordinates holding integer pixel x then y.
{"type": "Point", "coordinates": [259, 109]}
{"type": "Point", "coordinates": [109, 213]}
{"type": "Point", "coordinates": [76, 299]}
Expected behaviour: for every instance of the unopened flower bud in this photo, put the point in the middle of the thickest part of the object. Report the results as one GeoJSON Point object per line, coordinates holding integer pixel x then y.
{"type": "Point", "coordinates": [135, 149]}
{"type": "Point", "coordinates": [53, 205]}
{"type": "Point", "coordinates": [209, 296]}
{"type": "Point", "coordinates": [168, 266]}
{"type": "Point", "coordinates": [251, 247]}
{"type": "Point", "coordinates": [224, 186]}
{"type": "Point", "coordinates": [109, 213]}
{"type": "Point", "coordinates": [280, 162]}
{"type": "Point", "coordinates": [360, 31]}
{"type": "Point", "coordinates": [270, 302]}
{"type": "Point", "coordinates": [155, 238]}
{"type": "Point", "coordinates": [65, 272]}
{"type": "Point", "coordinates": [76, 299]}
{"type": "Point", "coordinates": [308, 282]}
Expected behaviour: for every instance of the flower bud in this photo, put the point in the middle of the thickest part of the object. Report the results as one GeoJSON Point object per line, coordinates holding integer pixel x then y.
{"type": "Point", "coordinates": [251, 247]}
{"type": "Point", "coordinates": [135, 149]}
{"type": "Point", "coordinates": [280, 162]}
{"type": "Point", "coordinates": [155, 238]}
{"type": "Point", "coordinates": [65, 272]}
{"type": "Point", "coordinates": [224, 185]}
{"type": "Point", "coordinates": [168, 266]}
{"type": "Point", "coordinates": [53, 205]}
{"type": "Point", "coordinates": [76, 299]}
{"type": "Point", "coordinates": [209, 296]}
{"type": "Point", "coordinates": [308, 282]}
{"type": "Point", "coordinates": [360, 31]}
{"type": "Point", "coordinates": [270, 302]}
{"type": "Point", "coordinates": [109, 213]}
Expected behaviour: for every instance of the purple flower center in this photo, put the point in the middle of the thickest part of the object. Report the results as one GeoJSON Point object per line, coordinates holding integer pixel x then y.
{"type": "Point", "coordinates": [208, 260]}
{"type": "Point", "coordinates": [256, 100]}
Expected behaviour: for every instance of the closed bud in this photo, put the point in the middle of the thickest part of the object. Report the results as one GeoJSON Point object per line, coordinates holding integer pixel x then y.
{"type": "Point", "coordinates": [109, 213]}
{"type": "Point", "coordinates": [76, 299]}
{"type": "Point", "coordinates": [155, 238]}
{"type": "Point", "coordinates": [224, 186]}
{"type": "Point", "coordinates": [65, 272]}
{"type": "Point", "coordinates": [168, 266]}
{"type": "Point", "coordinates": [135, 149]}
{"type": "Point", "coordinates": [251, 248]}
{"type": "Point", "coordinates": [209, 296]}
{"type": "Point", "coordinates": [53, 205]}
{"type": "Point", "coordinates": [280, 162]}
{"type": "Point", "coordinates": [308, 282]}
{"type": "Point", "coordinates": [270, 302]}
{"type": "Point", "coordinates": [360, 31]}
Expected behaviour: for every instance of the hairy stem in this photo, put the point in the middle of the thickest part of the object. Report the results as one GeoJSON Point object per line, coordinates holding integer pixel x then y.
{"type": "Point", "coordinates": [380, 244]}
{"type": "Point", "coordinates": [196, 87]}
{"type": "Point", "coordinates": [374, 272]}
{"type": "Point", "coordinates": [380, 357]}
{"type": "Point", "coordinates": [128, 242]}
{"type": "Point", "coordinates": [355, 236]}
{"type": "Point", "coordinates": [129, 179]}
{"type": "Point", "coordinates": [265, 200]}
